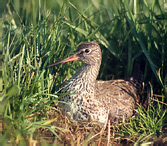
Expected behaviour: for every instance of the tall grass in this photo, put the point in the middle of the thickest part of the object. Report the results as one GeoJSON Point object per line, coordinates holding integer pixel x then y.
{"type": "Point", "coordinates": [38, 33]}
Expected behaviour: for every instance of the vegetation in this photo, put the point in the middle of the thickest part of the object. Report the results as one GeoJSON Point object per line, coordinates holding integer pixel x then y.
{"type": "Point", "coordinates": [38, 33]}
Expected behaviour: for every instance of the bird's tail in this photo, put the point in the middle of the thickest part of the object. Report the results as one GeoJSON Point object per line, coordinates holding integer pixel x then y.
{"type": "Point", "coordinates": [137, 76]}
{"type": "Point", "coordinates": [137, 80]}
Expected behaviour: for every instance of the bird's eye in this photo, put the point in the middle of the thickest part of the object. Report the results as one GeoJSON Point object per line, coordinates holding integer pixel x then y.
{"type": "Point", "coordinates": [87, 51]}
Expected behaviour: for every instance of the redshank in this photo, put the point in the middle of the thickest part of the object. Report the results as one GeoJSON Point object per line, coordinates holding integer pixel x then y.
{"type": "Point", "coordinates": [89, 100]}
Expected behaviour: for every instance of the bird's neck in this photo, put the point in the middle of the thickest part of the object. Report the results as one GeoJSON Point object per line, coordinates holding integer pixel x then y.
{"type": "Point", "coordinates": [83, 81]}
{"type": "Point", "coordinates": [87, 73]}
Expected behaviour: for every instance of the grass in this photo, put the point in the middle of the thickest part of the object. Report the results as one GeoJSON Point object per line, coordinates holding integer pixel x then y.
{"type": "Point", "coordinates": [127, 31]}
{"type": "Point", "coordinates": [148, 124]}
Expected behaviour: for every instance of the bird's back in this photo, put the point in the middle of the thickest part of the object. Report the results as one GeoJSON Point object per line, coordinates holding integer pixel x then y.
{"type": "Point", "coordinates": [120, 95]}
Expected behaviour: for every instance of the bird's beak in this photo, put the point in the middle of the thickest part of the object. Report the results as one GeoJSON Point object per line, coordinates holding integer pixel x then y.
{"type": "Point", "coordinates": [71, 58]}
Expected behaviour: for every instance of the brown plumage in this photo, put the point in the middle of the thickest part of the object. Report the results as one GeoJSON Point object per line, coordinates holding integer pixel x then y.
{"type": "Point", "coordinates": [88, 99]}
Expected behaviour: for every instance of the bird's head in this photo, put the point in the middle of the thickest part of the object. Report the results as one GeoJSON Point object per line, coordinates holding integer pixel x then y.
{"type": "Point", "coordinates": [88, 53]}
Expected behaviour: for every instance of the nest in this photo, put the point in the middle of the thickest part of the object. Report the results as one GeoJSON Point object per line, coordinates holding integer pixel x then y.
{"type": "Point", "coordinates": [73, 133]}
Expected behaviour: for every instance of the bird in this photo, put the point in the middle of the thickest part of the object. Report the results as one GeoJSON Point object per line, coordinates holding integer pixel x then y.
{"type": "Point", "coordinates": [86, 99]}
